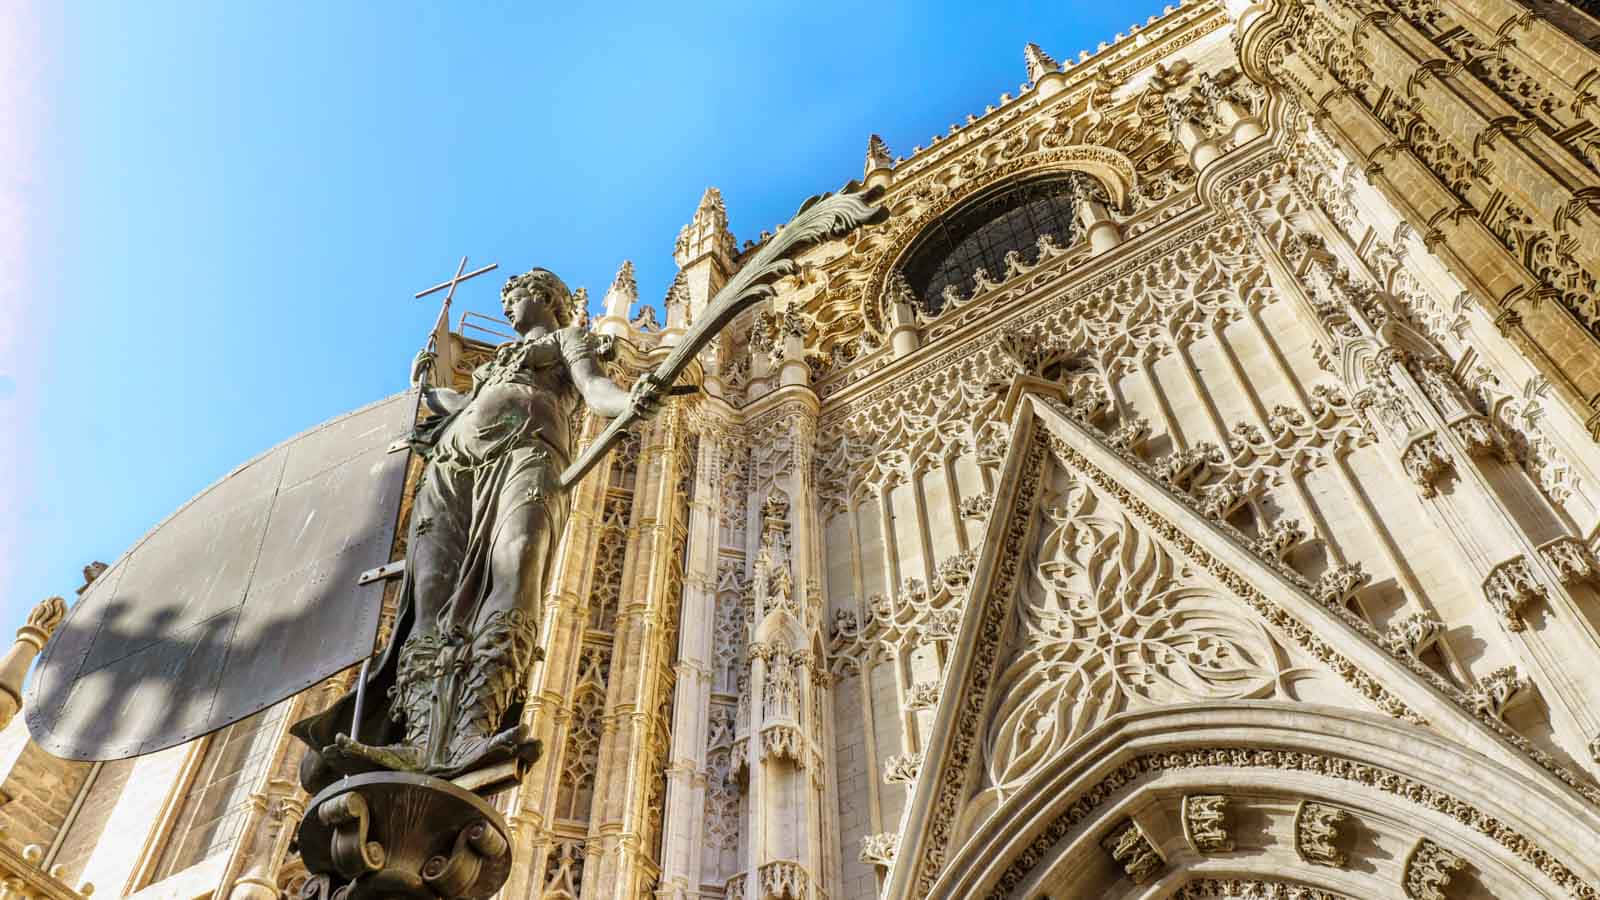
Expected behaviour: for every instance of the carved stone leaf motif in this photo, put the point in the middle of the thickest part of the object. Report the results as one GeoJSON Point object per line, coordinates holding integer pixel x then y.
{"type": "Point", "coordinates": [1318, 833]}
{"type": "Point", "coordinates": [1429, 869]}
{"type": "Point", "coordinates": [1205, 823]}
{"type": "Point", "coordinates": [1111, 622]}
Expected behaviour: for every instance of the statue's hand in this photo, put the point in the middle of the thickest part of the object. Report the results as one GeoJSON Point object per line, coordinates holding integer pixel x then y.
{"type": "Point", "coordinates": [645, 397]}
{"type": "Point", "coordinates": [421, 367]}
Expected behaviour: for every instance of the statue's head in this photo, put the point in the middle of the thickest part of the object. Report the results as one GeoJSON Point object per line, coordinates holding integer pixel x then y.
{"type": "Point", "coordinates": [525, 295]}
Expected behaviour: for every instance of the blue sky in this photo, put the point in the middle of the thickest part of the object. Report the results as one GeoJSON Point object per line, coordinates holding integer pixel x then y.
{"type": "Point", "coordinates": [213, 216]}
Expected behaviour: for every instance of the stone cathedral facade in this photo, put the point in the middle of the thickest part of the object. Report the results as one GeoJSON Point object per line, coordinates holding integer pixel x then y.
{"type": "Point", "coordinates": [1191, 491]}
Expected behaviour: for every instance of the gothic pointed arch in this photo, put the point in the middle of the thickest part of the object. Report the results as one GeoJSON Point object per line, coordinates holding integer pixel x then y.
{"type": "Point", "coordinates": [1201, 800]}
{"type": "Point", "coordinates": [1112, 172]}
{"type": "Point", "coordinates": [1110, 600]}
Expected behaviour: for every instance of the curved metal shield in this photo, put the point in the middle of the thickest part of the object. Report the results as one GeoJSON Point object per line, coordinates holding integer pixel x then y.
{"type": "Point", "coordinates": [244, 596]}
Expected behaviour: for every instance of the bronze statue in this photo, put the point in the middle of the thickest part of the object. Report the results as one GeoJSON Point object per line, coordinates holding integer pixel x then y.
{"type": "Point", "coordinates": [488, 513]}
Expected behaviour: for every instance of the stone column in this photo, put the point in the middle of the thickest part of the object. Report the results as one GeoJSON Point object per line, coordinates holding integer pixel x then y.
{"type": "Point", "coordinates": [624, 828]}
{"type": "Point", "coordinates": [682, 851]}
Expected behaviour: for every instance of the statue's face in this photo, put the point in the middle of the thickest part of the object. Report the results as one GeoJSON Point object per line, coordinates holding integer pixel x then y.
{"type": "Point", "coordinates": [525, 307]}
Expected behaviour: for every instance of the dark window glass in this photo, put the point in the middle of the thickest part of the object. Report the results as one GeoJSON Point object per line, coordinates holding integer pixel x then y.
{"type": "Point", "coordinates": [980, 234]}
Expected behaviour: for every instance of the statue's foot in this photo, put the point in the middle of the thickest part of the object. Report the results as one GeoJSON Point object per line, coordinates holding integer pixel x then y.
{"type": "Point", "coordinates": [349, 756]}
{"type": "Point", "coordinates": [484, 751]}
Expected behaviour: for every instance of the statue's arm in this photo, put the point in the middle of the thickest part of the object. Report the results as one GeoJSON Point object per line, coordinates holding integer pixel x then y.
{"type": "Point", "coordinates": [442, 401]}
{"type": "Point", "coordinates": [604, 397]}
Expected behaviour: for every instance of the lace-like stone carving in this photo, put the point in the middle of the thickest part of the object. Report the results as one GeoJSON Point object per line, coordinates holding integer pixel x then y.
{"type": "Point", "coordinates": [923, 695]}
{"type": "Point", "coordinates": [1205, 823]}
{"type": "Point", "coordinates": [783, 742]}
{"type": "Point", "coordinates": [1317, 828]}
{"type": "Point", "coordinates": [1281, 539]}
{"type": "Point", "coordinates": [977, 506]}
{"type": "Point", "coordinates": [1183, 468]}
{"type": "Point", "coordinates": [1429, 868]}
{"type": "Point", "coordinates": [1499, 690]}
{"type": "Point", "coordinates": [1133, 852]}
{"type": "Point", "coordinates": [783, 880]}
{"type": "Point", "coordinates": [1427, 462]}
{"type": "Point", "coordinates": [902, 768]}
{"type": "Point", "coordinates": [1236, 888]}
{"type": "Point", "coordinates": [1510, 588]}
{"type": "Point", "coordinates": [1340, 584]}
{"type": "Point", "coordinates": [879, 849]}
{"type": "Point", "coordinates": [955, 572]}
{"type": "Point", "coordinates": [1480, 438]}
{"type": "Point", "coordinates": [1130, 436]}
{"type": "Point", "coordinates": [1414, 634]}
{"type": "Point", "coordinates": [735, 888]}
{"type": "Point", "coordinates": [1570, 558]}
{"type": "Point", "coordinates": [1219, 501]}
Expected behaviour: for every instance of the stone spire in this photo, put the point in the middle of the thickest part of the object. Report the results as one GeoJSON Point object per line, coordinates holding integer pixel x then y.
{"type": "Point", "coordinates": [624, 291]}
{"type": "Point", "coordinates": [42, 621]}
{"type": "Point", "coordinates": [878, 156]}
{"type": "Point", "coordinates": [707, 233]}
{"type": "Point", "coordinates": [619, 299]}
{"type": "Point", "coordinates": [1039, 62]}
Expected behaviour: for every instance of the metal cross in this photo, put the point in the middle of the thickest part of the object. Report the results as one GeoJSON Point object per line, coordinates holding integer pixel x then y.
{"type": "Point", "coordinates": [443, 321]}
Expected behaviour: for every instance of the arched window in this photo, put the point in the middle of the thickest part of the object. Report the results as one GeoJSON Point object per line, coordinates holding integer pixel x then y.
{"type": "Point", "coordinates": [981, 232]}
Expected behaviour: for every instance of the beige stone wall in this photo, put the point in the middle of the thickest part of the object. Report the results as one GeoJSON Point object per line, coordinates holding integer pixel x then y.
{"type": "Point", "coordinates": [1298, 428]}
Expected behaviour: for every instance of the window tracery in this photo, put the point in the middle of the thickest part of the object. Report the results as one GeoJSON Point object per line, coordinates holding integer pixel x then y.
{"type": "Point", "coordinates": [970, 246]}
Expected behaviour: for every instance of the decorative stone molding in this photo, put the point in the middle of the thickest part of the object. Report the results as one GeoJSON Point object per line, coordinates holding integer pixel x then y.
{"type": "Point", "coordinates": [1133, 851]}
{"type": "Point", "coordinates": [977, 506]}
{"type": "Point", "coordinates": [1510, 587]}
{"type": "Point", "coordinates": [879, 849]}
{"type": "Point", "coordinates": [1219, 501]}
{"type": "Point", "coordinates": [1280, 539]}
{"type": "Point", "coordinates": [1498, 691]}
{"type": "Point", "coordinates": [1428, 870]}
{"type": "Point", "coordinates": [783, 742]}
{"type": "Point", "coordinates": [1252, 889]}
{"type": "Point", "coordinates": [1339, 585]}
{"type": "Point", "coordinates": [923, 695]}
{"type": "Point", "coordinates": [1129, 437]}
{"type": "Point", "coordinates": [1205, 823]}
{"type": "Point", "coordinates": [735, 888]}
{"type": "Point", "coordinates": [902, 768]}
{"type": "Point", "coordinates": [1427, 462]}
{"type": "Point", "coordinates": [1336, 768]}
{"type": "Point", "coordinates": [1570, 558]}
{"type": "Point", "coordinates": [783, 880]}
{"type": "Point", "coordinates": [1480, 439]}
{"type": "Point", "coordinates": [1414, 634]}
{"type": "Point", "coordinates": [955, 572]}
{"type": "Point", "coordinates": [1317, 833]}
{"type": "Point", "coordinates": [1181, 469]}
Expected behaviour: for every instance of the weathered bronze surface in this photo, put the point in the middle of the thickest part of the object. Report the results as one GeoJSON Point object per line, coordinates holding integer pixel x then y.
{"type": "Point", "coordinates": [486, 516]}
{"type": "Point", "coordinates": [244, 596]}
{"type": "Point", "coordinates": [402, 835]}
{"type": "Point", "coordinates": [489, 510]}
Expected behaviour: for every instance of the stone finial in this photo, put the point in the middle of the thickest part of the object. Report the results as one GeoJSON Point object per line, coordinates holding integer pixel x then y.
{"type": "Point", "coordinates": [41, 623]}
{"type": "Point", "coordinates": [623, 293]}
{"type": "Point", "coordinates": [878, 155]}
{"type": "Point", "coordinates": [1039, 62]}
{"type": "Point", "coordinates": [707, 233]}
{"type": "Point", "coordinates": [677, 292]}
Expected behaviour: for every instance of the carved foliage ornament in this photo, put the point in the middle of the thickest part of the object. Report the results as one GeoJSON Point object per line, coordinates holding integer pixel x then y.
{"type": "Point", "coordinates": [1109, 622]}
